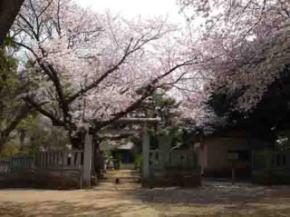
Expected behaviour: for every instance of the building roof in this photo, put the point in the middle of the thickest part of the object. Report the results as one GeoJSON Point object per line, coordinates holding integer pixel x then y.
{"type": "Point", "coordinates": [127, 146]}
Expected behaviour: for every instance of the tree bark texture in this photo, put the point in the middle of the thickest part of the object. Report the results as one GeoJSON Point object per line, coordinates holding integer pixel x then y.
{"type": "Point", "coordinates": [8, 12]}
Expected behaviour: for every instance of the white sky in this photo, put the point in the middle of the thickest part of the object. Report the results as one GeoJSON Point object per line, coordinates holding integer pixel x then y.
{"type": "Point", "coordinates": [133, 8]}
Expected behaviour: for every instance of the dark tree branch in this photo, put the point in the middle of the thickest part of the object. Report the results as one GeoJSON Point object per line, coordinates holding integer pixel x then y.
{"type": "Point", "coordinates": [22, 113]}
{"type": "Point", "coordinates": [59, 90]}
{"type": "Point", "coordinates": [148, 91]}
{"type": "Point", "coordinates": [130, 49]}
{"type": "Point", "coordinates": [34, 33]}
{"type": "Point", "coordinates": [106, 74]}
{"type": "Point", "coordinates": [8, 11]}
{"type": "Point", "coordinates": [39, 108]}
{"type": "Point", "coordinates": [58, 28]}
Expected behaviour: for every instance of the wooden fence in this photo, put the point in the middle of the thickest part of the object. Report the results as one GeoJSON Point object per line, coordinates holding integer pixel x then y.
{"type": "Point", "coordinates": [16, 164]}
{"type": "Point", "coordinates": [174, 167]}
{"type": "Point", "coordinates": [59, 160]}
{"type": "Point", "coordinates": [4, 166]}
{"type": "Point", "coordinates": [21, 163]}
{"type": "Point", "coordinates": [184, 159]}
{"type": "Point", "coordinates": [274, 160]}
{"type": "Point", "coordinates": [166, 166]}
{"type": "Point", "coordinates": [43, 160]}
{"type": "Point", "coordinates": [45, 163]}
{"type": "Point", "coordinates": [271, 167]}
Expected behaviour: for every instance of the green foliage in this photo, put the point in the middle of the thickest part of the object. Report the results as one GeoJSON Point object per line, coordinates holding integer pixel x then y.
{"type": "Point", "coordinates": [137, 160]}
{"type": "Point", "coordinates": [221, 102]}
{"type": "Point", "coordinates": [271, 115]}
{"type": "Point", "coordinates": [43, 135]}
{"type": "Point", "coordinates": [29, 123]}
{"type": "Point", "coordinates": [181, 136]}
{"type": "Point", "coordinates": [160, 105]}
{"type": "Point", "coordinates": [9, 42]}
{"type": "Point", "coordinates": [21, 129]}
{"type": "Point", "coordinates": [283, 140]}
{"type": "Point", "coordinates": [9, 149]}
{"type": "Point", "coordinates": [8, 67]}
{"type": "Point", "coordinates": [12, 109]}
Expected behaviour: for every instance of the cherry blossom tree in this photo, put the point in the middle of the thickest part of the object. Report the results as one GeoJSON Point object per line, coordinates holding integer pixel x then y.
{"type": "Point", "coordinates": [244, 44]}
{"type": "Point", "coordinates": [94, 65]}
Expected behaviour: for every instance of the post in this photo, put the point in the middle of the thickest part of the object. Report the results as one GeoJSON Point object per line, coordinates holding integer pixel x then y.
{"type": "Point", "coordinates": [269, 158]}
{"type": "Point", "coordinates": [87, 166]}
{"type": "Point", "coordinates": [233, 157]}
{"type": "Point", "coordinates": [145, 154]}
{"type": "Point", "coordinates": [253, 165]}
{"type": "Point", "coordinates": [233, 173]}
{"type": "Point", "coordinates": [164, 148]}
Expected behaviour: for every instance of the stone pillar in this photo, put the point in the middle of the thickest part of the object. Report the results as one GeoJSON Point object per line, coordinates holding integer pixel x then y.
{"type": "Point", "coordinates": [145, 154]}
{"type": "Point", "coordinates": [88, 153]}
{"type": "Point", "coordinates": [164, 143]}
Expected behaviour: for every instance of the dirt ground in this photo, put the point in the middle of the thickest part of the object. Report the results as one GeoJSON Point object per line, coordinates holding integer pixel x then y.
{"type": "Point", "coordinates": [127, 199]}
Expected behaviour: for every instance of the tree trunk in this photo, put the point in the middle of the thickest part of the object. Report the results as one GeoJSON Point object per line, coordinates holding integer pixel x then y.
{"type": "Point", "coordinates": [22, 134]}
{"type": "Point", "coordinates": [4, 134]}
{"type": "Point", "coordinates": [2, 142]}
{"type": "Point", "coordinates": [8, 12]}
{"type": "Point", "coordinates": [98, 161]}
{"type": "Point", "coordinates": [77, 138]}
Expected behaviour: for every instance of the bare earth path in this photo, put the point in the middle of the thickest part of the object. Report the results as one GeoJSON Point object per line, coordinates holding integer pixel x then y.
{"type": "Point", "coordinates": [127, 199]}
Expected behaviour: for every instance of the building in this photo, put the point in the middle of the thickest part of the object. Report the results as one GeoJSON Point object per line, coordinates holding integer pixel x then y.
{"type": "Point", "coordinates": [219, 152]}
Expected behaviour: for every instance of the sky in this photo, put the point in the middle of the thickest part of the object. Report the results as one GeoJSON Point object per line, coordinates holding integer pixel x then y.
{"type": "Point", "coordinates": [133, 8]}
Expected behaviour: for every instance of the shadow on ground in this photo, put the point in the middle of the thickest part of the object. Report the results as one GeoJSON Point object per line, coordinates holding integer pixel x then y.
{"type": "Point", "coordinates": [210, 192]}
{"type": "Point", "coordinates": [128, 199]}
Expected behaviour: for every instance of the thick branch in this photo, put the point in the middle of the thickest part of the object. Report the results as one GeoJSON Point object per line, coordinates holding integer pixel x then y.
{"type": "Point", "coordinates": [23, 112]}
{"type": "Point", "coordinates": [106, 74]}
{"type": "Point", "coordinates": [59, 89]}
{"type": "Point", "coordinates": [130, 49]}
{"type": "Point", "coordinates": [39, 108]}
{"type": "Point", "coordinates": [148, 91]}
{"type": "Point", "coordinates": [8, 11]}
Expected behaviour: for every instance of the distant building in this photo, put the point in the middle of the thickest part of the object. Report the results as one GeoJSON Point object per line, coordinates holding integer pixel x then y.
{"type": "Point", "coordinates": [124, 153]}
{"type": "Point", "coordinates": [219, 150]}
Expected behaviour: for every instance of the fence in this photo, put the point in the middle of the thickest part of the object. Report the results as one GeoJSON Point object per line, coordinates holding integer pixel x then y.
{"type": "Point", "coordinates": [278, 160]}
{"type": "Point", "coordinates": [174, 167]}
{"type": "Point", "coordinates": [21, 163]}
{"type": "Point", "coordinates": [45, 164]}
{"type": "Point", "coordinates": [183, 159]}
{"type": "Point", "coordinates": [16, 164]}
{"type": "Point", "coordinates": [4, 166]}
{"type": "Point", "coordinates": [271, 167]}
{"type": "Point", "coordinates": [59, 160]}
